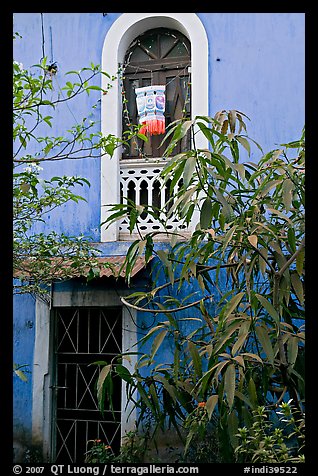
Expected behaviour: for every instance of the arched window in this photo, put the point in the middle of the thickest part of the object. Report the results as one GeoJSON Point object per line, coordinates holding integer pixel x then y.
{"type": "Point", "coordinates": [160, 56]}
{"type": "Point", "coordinates": [128, 27]}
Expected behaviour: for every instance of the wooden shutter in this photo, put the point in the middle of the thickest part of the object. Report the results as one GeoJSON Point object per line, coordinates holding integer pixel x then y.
{"type": "Point", "coordinates": [159, 56]}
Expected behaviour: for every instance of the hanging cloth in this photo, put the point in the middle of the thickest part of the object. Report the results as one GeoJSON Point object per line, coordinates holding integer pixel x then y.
{"type": "Point", "coordinates": [151, 107]}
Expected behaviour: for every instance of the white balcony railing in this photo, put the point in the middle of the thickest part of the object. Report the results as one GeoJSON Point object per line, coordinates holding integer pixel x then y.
{"type": "Point", "coordinates": [140, 182]}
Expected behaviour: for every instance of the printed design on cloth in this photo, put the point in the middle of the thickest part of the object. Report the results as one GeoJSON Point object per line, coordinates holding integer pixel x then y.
{"type": "Point", "coordinates": [151, 103]}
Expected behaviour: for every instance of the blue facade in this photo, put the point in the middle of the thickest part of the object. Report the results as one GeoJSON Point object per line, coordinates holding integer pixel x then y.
{"type": "Point", "coordinates": [23, 342]}
{"type": "Point", "coordinates": [256, 65]}
{"type": "Point", "coordinates": [260, 72]}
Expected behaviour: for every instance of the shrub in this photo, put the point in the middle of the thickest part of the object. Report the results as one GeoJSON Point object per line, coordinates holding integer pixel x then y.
{"type": "Point", "coordinates": [268, 442]}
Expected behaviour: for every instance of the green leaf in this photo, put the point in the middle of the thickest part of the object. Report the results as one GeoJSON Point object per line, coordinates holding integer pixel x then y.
{"type": "Point", "coordinates": [188, 170]}
{"type": "Point", "coordinates": [234, 149]}
{"type": "Point", "coordinates": [228, 236]}
{"type": "Point", "coordinates": [206, 214]}
{"type": "Point", "coordinates": [265, 340]}
{"type": "Point", "coordinates": [225, 337]}
{"type": "Point", "coordinates": [100, 383]}
{"type": "Point", "coordinates": [178, 171]}
{"type": "Point", "coordinates": [291, 239]}
{"type": "Point", "coordinates": [21, 375]}
{"type": "Point", "coordinates": [179, 131]}
{"type": "Point", "coordinates": [204, 381]}
{"type": "Point", "coordinates": [252, 392]}
{"type": "Point", "coordinates": [240, 169]}
{"type": "Point", "coordinates": [242, 397]}
{"type": "Point", "coordinates": [163, 255]}
{"type": "Point", "coordinates": [244, 142]}
{"type": "Point", "coordinates": [206, 131]}
{"type": "Point", "coordinates": [25, 187]}
{"type": "Point", "coordinates": [123, 373]}
{"type": "Point", "coordinates": [229, 384]}
{"type": "Point", "coordinates": [232, 120]}
{"type": "Point", "coordinates": [109, 148]}
{"type": "Point", "coordinates": [222, 221]}
{"type": "Point", "coordinates": [253, 240]}
{"type": "Point", "coordinates": [300, 258]}
{"type": "Point", "coordinates": [152, 330]}
{"type": "Point", "coordinates": [232, 304]}
{"type": "Point", "coordinates": [280, 215]}
{"type": "Point", "coordinates": [201, 282]}
{"type": "Point", "coordinates": [252, 356]}
{"type": "Point", "coordinates": [144, 396]}
{"type": "Point", "coordinates": [262, 261]}
{"type": "Point", "coordinates": [246, 417]}
{"type": "Point", "coordinates": [98, 362]}
{"type": "Point", "coordinates": [96, 88]}
{"type": "Point", "coordinates": [170, 388]}
{"type": "Point", "coordinates": [241, 337]}
{"type": "Point", "coordinates": [227, 209]}
{"type": "Point", "coordinates": [141, 246]}
{"type": "Point", "coordinates": [157, 343]}
{"type": "Point", "coordinates": [142, 137]}
{"type": "Point", "coordinates": [149, 248]}
{"type": "Point", "coordinates": [189, 438]}
{"type": "Point", "coordinates": [292, 350]}
{"type": "Point", "coordinates": [195, 358]}
{"type": "Point", "coordinates": [47, 148]}
{"type": "Point", "coordinates": [298, 287]}
{"type": "Point", "coordinates": [185, 126]}
{"type": "Point", "coordinates": [47, 120]}
{"type": "Point", "coordinates": [268, 306]}
{"type": "Point", "coordinates": [232, 427]}
{"type": "Point", "coordinates": [268, 186]}
{"type": "Point", "coordinates": [288, 188]}
{"type": "Point", "coordinates": [152, 391]}
{"type": "Point", "coordinates": [210, 405]}
{"type": "Point", "coordinates": [183, 200]}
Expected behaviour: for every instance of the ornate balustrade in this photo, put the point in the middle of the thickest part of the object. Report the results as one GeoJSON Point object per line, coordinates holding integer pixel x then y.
{"type": "Point", "coordinates": [140, 182]}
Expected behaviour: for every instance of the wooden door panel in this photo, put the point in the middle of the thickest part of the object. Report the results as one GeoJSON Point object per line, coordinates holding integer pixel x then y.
{"type": "Point", "coordinates": [160, 56]}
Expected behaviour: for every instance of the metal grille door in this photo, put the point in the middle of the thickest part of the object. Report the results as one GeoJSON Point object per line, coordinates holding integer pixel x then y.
{"type": "Point", "coordinates": [82, 336]}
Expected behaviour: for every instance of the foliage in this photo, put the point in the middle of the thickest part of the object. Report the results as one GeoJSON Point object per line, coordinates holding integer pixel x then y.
{"type": "Point", "coordinates": [99, 452]}
{"type": "Point", "coordinates": [133, 450]}
{"type": "Point", "coordinates": [267, 442]}
{"type": "Point", "coordinates": [39, 258]}
{"type": "Point", "coordinates": [248, 347]}
{"type": "Point", "coordinates": [202, 442]}
{"type": "Point", "coordinates": [32, 455]}
{"type": "Point", "coordinates": [37, 99]}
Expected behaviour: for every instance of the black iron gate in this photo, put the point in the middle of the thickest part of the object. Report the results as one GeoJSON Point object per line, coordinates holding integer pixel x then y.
{"type": "Point", "coordinates": [82, 336]}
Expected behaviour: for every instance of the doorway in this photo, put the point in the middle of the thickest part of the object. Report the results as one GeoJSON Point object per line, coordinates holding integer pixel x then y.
{"type": "Point", "coordinates": [83, 335]}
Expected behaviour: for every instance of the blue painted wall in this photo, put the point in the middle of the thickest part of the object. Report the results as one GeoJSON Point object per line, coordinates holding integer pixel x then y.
{"type": "Point", "coordinates": [23, 345]}
{"type": "Point", "coordinates": [77, 41]}
{"type": "Point", "coordinates": [260, 72]}
{"type": "Point", "coordinates": [256, 65]}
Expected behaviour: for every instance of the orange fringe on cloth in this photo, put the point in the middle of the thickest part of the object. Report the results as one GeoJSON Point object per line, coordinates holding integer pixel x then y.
{"type": "Point", "coordinates": [153, 127]}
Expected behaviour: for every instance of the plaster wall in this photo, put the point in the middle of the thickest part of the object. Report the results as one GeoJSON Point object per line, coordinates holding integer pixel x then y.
{"type": "Point", "coordinates": [256, 65]}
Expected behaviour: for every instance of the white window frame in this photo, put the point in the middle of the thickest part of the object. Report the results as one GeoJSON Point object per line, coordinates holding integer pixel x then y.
{"type": "Point", "coordinates": [118, 39]}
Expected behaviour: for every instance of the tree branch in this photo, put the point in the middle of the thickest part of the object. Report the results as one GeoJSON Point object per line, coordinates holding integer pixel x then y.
{"type": "Point", "coordinates": [158, 311]}
{"type": "Point", "coordinates": [291, 259]}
